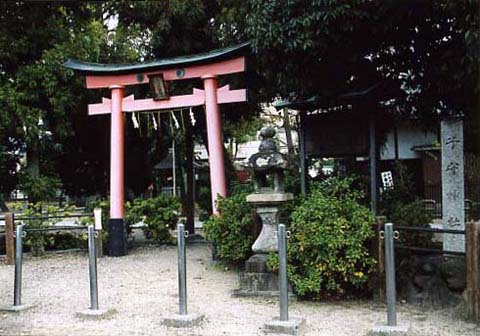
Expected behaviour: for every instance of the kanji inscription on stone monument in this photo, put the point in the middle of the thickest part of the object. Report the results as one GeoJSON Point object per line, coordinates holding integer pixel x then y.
{"type": "Point", "coordinates": [453, 194]}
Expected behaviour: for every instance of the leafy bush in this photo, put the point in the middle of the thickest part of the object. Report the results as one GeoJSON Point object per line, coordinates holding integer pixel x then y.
{"type": "Point", "coordinates": [413, 214]}
{"type": "Point", "coordinates": [401, 207]}
{"type": "Point", "coordinates": [292, 181]}
{"type": "Point", "coordinates": [204, 201]}
{"type": "Point", "coordinates": [241, 188]}
{"type": "Point", "coordinates": [40, 188]}
{"type": "Point", "coordinates": [231, 230]}
{"type": "Point", "coordinates": [159, 214]}
{"type": "Point", "coordinates": [402, 193]}
{"type": "Point", "coordinates": [329, 230]}
{"type": "Point", "coordinates": [66, 240]}
{"type": "Point", "coordinates": [37, 240]}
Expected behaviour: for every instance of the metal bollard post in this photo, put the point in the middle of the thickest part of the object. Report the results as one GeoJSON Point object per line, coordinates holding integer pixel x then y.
{"type": "Point", "coordinates": [390, 276]}
{"type": "Point", "coordinates": [17, 292]}
{"type": "Point", "coordinates": [282, 272]}
{"type": "Point", "coordinates": [182, 319]}
{"type": "Point", "coordinates": [391, 328]}
{"type": "Point", "coordinates": [182, 270]}
{"type": "Point", "coordinates": [92, 267]}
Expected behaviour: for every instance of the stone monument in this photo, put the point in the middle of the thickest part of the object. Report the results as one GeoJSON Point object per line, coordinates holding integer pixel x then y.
{"type": "Point", "coordinates": [453, 194]}
{"type": "Point", "coordinates": [268, 166]}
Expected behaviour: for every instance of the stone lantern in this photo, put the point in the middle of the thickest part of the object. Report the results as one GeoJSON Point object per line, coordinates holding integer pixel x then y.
{"type": "Point", "coordinates": [268, 166]}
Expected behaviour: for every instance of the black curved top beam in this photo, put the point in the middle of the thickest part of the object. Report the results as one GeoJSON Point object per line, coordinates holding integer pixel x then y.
{"type": "Point", "coordinates": [378, 91]}
{"type": "Point", "coordinates": [166, 63]}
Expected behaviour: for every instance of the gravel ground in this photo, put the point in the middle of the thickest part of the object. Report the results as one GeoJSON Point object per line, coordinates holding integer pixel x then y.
{"type": "Point", "coordinates": [143, 286]}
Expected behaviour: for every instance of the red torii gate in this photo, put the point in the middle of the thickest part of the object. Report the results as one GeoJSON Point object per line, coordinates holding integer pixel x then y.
{"type": "Point", "coordinates": [208, 67]}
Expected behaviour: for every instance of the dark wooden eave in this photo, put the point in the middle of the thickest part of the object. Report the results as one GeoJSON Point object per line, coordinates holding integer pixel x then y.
{"type": "Point", "coordinates": [378, 91]}
{"type": "Point", "coordinates": [166, 63]}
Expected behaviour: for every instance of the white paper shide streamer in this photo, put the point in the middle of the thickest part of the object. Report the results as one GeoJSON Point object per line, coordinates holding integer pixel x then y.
{"type": "Point", "coordinates": [135, 121]}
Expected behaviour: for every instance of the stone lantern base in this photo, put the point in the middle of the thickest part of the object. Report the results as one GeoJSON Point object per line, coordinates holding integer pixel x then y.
{"type": "Point", "coordinates": [258, 279]}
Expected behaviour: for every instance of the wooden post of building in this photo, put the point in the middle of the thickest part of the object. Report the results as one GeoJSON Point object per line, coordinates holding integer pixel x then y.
{"type": "Point", "coordinates": [472, 237]}
{"type": "Point", "coordinates": [9, 238]}
{"type": "Point", "coordinates": [301, 139]}
{"type": "Point", "coordinates": [373, 163]}
{"type": "Point", "coordinates": [380, 255]}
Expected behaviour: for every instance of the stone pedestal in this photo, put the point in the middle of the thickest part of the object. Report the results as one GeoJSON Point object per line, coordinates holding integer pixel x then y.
{"type": "Point", "coordinates": [257, 280]}
{"type": "Point", "coordinates": [267, 239]}
{"type": "Point", "coordinates": [267, 204]}
{"type": "Point", "coordinates": [95, 314]}
{"type": "Point", "coordinates": [293, 326]}
{"type": "Point", "coordinates": [384, 330]}
{"type": "Point", "coordinates": [16, 309]}
{"type": "Point", "coordinates": [182, 321]}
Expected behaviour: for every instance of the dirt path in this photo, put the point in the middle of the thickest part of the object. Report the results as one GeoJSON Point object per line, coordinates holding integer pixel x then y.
{"type": "Point", "coordinates": [143, 286]}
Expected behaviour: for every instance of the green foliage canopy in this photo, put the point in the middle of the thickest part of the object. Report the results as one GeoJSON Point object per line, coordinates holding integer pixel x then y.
{"type": "Point", "coordinates": [231, 230]}
{"type": "Point", "coordinates": [327, 250]}
{"type": "Point", "coordinates": [159, 215]}
{"type": "Point", "coordinates": [428, 49]}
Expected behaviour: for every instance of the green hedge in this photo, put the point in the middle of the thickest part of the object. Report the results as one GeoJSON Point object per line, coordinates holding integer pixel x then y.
{"type": "Point", "coordinates": [159, 214]}
{"type": "Point", "coordinates": [231, 231]}
{"type": "Point", "coordinates": [327, 253]}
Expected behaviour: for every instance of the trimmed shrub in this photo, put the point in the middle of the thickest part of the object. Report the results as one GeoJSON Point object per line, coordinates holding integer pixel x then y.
{"type": "Point", "coordinates": [231, 230]}
{"type": "Point", "coordinates": [39, 189]}
{"type": "Point", "coordinates": [159, 214]}
{"type": "Point", "coordinates": [413, 214]}
{"type": "Point", "coordinates": [329, 230]}
{"type": "Point", "coordinates": [401, 207]}
{"type": "Point", "coordinates": [39, 214]}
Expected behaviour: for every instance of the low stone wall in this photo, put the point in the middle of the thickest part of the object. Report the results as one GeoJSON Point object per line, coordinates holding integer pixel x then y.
{"type": "Point", "coordinates": [435, 281]}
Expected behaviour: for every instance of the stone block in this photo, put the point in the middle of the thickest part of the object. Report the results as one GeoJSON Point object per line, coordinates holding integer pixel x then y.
{"type": "Point", "coordinates": [182, 321]}
{"type": "Point", "coordinates": [258, 282]}
{"type": "Point", "coordinates": [16, 309]}
{"type": "Point", "coordinates": [453, 270]}
{"type": "Point", "coordinates": [294, 326]}
{"type": "Point", "coordinates": [257, 294]}
{"type": "Point", "coordinates": [269, 198]}
{"type": "Point", "coordinates": [257, 264]}
{"type": "Point", "coordinates": [95, 314]}
{"type": "Point", "coordinates": [384, 330]}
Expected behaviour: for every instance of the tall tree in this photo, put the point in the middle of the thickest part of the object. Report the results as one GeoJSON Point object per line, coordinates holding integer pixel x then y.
{"type": "Point", "coordinates": [44, 104]}
{"type": "Point", "coordinates": [428, 49]}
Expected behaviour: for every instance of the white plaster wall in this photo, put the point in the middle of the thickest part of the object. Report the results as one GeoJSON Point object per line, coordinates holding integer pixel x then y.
{"type": "Point", "coordinates": [409, 135]}
{"type": "Point", "coordinates": [245, 150]}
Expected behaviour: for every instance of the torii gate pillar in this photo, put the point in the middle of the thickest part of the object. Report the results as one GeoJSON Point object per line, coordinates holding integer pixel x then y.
{"type": "Point", "coordinates": [215, 141]}
{"type": "Point", "coordinates": [116, 227]}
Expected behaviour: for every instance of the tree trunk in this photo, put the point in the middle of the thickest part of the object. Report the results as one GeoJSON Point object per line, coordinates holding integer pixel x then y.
{"type": "Point", "coordinates": [288, 132]}
{"type": "Point", "coordinates": [33, 167]}
{"type": "Point", "coordinates": [3, 205]}
{"type": "Point", "coordinates": [33, 160]}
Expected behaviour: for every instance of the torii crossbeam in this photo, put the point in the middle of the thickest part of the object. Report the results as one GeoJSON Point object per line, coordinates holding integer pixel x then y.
{"type": "Point", "coordinates": [208, 67]}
